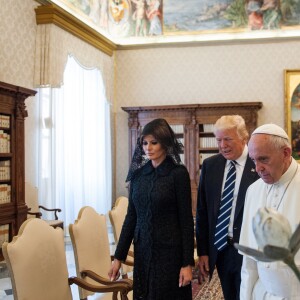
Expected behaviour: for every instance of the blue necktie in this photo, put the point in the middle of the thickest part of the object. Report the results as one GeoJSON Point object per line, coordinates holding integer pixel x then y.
{"type": "Point", "coordinates": [221, 232]}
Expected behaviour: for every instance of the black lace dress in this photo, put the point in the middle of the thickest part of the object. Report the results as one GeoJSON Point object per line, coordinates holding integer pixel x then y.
{"type": "Point", "coordinates": [160, 222]}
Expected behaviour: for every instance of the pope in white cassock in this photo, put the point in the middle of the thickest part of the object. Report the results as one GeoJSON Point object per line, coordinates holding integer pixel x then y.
{"type": "Point", "coordinates": [279, 188]}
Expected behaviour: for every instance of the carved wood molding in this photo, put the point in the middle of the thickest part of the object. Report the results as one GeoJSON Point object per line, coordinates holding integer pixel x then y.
{"type": "Point", "coordinates": [186, 107]}
{"type": "Point", "coordinates": [20, 94]}
{"type": "Point", "coordinates": [191, 114]}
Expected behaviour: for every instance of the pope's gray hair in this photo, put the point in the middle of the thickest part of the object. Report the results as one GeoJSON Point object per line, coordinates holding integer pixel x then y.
{"type": "Point", "coordinates": [278, 142]}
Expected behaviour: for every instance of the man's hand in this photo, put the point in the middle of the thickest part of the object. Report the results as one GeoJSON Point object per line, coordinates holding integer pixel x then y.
{"type": "Point", "coordinates": [203, 268]}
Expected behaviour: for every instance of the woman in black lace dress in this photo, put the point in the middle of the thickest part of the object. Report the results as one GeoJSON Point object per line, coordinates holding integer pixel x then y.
{"type": "Point", "coordinates": [159, 218]}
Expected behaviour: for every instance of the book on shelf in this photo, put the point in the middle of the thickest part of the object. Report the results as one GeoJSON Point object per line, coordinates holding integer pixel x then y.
{"type": "Point", "coordinates": [4, 169]}
{"type": "Point", "coordinates": [179, 129]}
{"type": "Point", "coordinates": [208, 142]}
{"type": "Point", "coordinates": [4, 142]}
{"type": "Point", "coordinates": [203, 156]}
{"type": "Point", "coordinates": [181, 140]}
{"type": "Point", "coordinates": [182, 157]}
{"type": "Point", "coordinates": [208, 127]}
{"type": "Point", "coordinates": [4, 121]}
{"type": "Point", "coordinates": [4, 234]}
{"type": "Point", "coordinates": [5, 193]}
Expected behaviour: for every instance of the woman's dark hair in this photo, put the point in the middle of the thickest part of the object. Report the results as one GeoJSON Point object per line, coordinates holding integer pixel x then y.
{"type": "Point", "coordinates": [164, 134]}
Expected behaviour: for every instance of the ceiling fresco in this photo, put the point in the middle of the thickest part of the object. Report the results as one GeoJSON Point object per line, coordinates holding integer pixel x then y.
{"type": "Point", "coordinates": [151, 21]}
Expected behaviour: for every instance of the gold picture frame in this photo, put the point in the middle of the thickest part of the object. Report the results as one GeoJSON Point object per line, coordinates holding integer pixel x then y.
{"type": "Point", "coordinates": [292, 109]}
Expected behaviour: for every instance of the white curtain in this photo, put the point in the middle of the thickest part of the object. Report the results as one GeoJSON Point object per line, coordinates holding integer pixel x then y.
{"type": "Point", "coordinates": [75, 143]}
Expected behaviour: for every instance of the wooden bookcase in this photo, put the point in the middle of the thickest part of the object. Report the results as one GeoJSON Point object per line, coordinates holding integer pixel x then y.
{"type": "Point", "coordinates": [13, 210]}
{"type": "Point", "coordinates": [193, 123]}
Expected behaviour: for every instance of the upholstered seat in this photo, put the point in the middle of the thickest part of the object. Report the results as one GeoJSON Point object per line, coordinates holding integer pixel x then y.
{"type": "Point", "coordinates": [37, 264]}
{"type": "Point", "coordinates": [90, 242]}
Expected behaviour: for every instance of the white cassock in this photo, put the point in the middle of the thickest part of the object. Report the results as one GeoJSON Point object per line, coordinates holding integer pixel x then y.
{"type": "Point", "coordinates": [275, 280]}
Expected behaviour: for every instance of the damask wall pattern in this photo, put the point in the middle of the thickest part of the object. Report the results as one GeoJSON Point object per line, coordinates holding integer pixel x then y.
{"type": "Point", "coordinates": [17, 40]}
{"type": "Point", "coordinates": [17, 49]}
{"type": "Point", "coordinates": [203, 74]}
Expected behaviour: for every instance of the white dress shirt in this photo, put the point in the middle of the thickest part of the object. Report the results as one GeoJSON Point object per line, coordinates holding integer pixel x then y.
{"type": "Point", "coordinates": [239, 166]}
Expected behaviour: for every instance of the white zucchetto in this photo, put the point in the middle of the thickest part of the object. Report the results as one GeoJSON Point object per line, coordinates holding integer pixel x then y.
{"type": "Point", "coordinates": [271, 129]}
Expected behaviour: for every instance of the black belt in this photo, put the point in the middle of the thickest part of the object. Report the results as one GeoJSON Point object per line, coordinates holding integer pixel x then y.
{"type": "Point", "coordinates": [230, 241]}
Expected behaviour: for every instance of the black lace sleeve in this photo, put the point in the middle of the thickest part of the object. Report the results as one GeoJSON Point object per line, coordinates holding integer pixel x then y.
{"type": "Point", "coordinates": [127, 232]}
{"type": "Point", "coordinates": [184, 204]}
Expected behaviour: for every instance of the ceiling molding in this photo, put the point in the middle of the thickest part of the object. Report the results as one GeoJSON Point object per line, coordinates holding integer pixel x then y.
{"type": "Point", "coordinates": [53, 14]}
{"type": "Point", "coordinates": [208, 43]}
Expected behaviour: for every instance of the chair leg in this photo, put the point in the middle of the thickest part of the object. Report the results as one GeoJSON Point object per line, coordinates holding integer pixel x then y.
{"type": "Point", "coordinates": [124, 296]}
{"type": "Point", "coordinates": [115, 296]}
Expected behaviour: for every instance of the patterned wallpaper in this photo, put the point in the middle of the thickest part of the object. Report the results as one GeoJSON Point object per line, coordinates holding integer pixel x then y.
{"type": "Point", "coordinates": [17, 48]}
{"type": "Point", "coordinates": [203, 74]}
{"type": "Point", "coordinates": [17, 40]}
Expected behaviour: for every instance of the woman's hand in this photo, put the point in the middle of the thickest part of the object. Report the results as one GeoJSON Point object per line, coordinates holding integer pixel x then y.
{"type": "Point", "coordinates": [185, 276]}
{"type": "Point", "coordinates": [114, 273]}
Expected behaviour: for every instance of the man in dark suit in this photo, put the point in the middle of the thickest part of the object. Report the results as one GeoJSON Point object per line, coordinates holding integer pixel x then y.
{"type": "Point", "coordinates": [232, 136]}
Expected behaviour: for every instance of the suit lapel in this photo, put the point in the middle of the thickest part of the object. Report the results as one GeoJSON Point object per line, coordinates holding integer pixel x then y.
{"type": "Point", "coordinates": [248, 177]}
{"type": "Point", "coordinates": [218, 173]}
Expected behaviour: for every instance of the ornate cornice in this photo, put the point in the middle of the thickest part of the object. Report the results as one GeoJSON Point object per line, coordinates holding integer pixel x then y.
{"type": "Point", "coordinates": [193, 107]}
{"type": "Point", "coordinates": [53, 14]}
{"type": "Point", "coordinates": [19, 94]}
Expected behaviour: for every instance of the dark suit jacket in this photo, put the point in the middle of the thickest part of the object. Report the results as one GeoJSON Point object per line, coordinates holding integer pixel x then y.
{"type": "Point", "coordinates": [208, 203]}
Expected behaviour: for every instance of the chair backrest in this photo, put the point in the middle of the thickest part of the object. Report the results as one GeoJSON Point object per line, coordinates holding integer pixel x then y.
{"type": "Point", "coordinates": [117, 216]}
{"type": "Point", "coordinates": [90, 242]}
{"type": "Point", "coordinates": [37, 262]}
{"type": "Point", "coordinates": [31, 197]}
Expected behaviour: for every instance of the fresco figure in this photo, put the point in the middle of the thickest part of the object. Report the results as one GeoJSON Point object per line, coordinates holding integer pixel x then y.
{"type": "Point", "coordinates": [255, 17]}
{"type": "Point", "coordinates": [139, 16]}
{"type": "Point", "coordinates": [103, 14]}
{"type": "Point", "coordinates": [94, 11]}
{"type": "Point", "coordinates": [154, 17]}
{"type": "Point", "coordinates": [119, 12]}
{"type": "Point", "coordinates": [271, 14]}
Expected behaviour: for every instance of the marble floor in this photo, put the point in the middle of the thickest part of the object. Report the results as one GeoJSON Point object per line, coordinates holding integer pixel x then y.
{"type": "Point", "coordinates": [5, 282]}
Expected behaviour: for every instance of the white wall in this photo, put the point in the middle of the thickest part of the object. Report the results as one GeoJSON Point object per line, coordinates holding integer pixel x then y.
{"type": "Point", "coordinates": [203, 74]}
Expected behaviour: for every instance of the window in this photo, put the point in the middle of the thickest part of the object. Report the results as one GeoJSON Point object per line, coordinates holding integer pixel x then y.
{"type": "Point", "coordinates": [75, 143]}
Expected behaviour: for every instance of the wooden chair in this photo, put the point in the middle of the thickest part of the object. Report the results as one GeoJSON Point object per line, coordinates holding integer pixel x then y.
{"type": "Point", "coordinates": [90, 242]}
{"type": "Point", "coordinates": [37, 264]}
{"type": "Point", "coordinates": [34, 209]}
{"type": "Point", "coordinates": [117, 217]}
